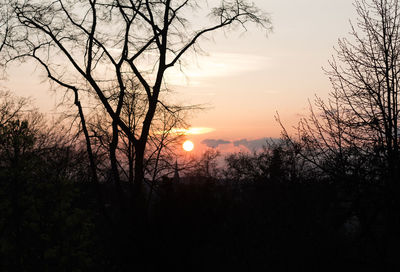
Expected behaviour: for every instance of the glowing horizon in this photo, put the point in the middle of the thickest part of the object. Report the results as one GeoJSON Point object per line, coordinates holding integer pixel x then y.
{"type": "Point", "coordinates": [188, 131]}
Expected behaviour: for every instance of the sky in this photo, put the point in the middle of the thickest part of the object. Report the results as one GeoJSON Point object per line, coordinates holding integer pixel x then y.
{"type": "Point", "coordinates": [245, 78]}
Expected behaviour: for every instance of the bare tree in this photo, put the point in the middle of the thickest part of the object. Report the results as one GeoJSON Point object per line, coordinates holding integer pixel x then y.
{"type": "Point", "coordinates": [11, 107]}
{"type": "Point", "coordinates": [325, 142]}
{"type": "Point", "coordinates": [4, 25]}
{"type": "Point", "coordinates": [352, 138]}
{"type": "Point", "coordinates": [91, 45]}
{"type": "Point", "coordinates": [366, 82]}
{"type": "Point", "coordinates": [359, 124]}
{"type": "Point", "coordinates": [115, 145]}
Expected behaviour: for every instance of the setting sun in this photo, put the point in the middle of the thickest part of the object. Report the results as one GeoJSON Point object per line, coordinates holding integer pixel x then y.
{"type": "Point", "coordinates": [188, 145]}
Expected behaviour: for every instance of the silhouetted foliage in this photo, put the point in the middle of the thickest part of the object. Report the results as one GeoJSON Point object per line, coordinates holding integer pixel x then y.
{"type": "Point", "coordinates": [352, 139]}
{"type": "Point", "coordinates": [45, 222]}
{"type": "Point", "coordinates": [270, 211]}
{"type": "Point", "coordinates": [326, 200]}
{"type": "Point", "coordinates": [118, 52]}
{"type": "Point", "coordinates": [278, 161]}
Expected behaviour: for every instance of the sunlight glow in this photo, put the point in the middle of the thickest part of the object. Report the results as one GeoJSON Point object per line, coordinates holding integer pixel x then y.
{"type": "Point", "coordinates": [188, 145]}
{"type": "Point", "coordinates": [189, 131]}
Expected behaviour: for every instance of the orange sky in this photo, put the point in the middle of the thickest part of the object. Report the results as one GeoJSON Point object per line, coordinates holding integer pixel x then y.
{"type": "Point", "coordinates": [246, 77]}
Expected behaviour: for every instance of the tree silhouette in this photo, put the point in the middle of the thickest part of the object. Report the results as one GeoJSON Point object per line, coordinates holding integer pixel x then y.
{"type": "Point", "coordinates": [357, 128]}
{"type": "Point", "coordinates": [366, 81]}
{"type": "Point", "coordinates": [353, 137]}
{"type": "Point", "coordinates": [89, 46]}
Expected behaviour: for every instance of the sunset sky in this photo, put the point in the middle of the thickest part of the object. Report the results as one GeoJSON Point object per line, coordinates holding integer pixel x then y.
{"type": "Point", "coordinates": [245, 77]}
{"type": "Point", "coordinates": [248, 77]}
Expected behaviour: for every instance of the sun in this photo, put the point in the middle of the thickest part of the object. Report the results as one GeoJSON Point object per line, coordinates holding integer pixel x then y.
{"type": "Point", "coordinates": [188, 145]}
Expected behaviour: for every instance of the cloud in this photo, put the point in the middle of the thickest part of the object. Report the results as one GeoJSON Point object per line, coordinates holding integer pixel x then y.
{"type": "Point", "coordinates": [215, 65]}
{"type": "Point", "coordinates": [188, 131]}
{"type": "Point", "coordinates": [214, 143]}
{"type": "Point", "coordinates": [256, 144]}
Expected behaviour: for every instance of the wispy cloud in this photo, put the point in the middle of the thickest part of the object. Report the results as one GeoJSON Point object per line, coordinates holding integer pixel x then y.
{"type": "Point", "coordinates": [214, 143]}
{"type": "Point", "coordinates": [242, 144]}
{"type": "Point", "coordinates": [215, 65]}
{"type": "Point", "coordinates": [189, 131]}
{"type": "Point", "coordinates": [255, 144]}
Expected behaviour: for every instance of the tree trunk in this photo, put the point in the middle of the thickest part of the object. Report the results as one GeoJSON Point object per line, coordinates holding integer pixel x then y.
{"type": "Point", "coordinates": [114, 168]}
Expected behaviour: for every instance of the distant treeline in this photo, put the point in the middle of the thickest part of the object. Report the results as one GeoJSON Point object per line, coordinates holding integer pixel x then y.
{"type": "Point", "coordinates": [270, 210]}
{"type": "Point", "coordinates": [101, 190]}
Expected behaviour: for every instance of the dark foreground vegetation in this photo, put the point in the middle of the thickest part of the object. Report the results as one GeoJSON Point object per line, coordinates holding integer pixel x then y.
{"type": "Point", "coordinates": [270, 210]}
{"type": "Point", "coordinates": [98, 195]}
{"type": "Point", "coordinates": [54, 224]}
